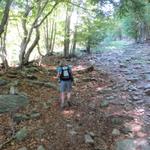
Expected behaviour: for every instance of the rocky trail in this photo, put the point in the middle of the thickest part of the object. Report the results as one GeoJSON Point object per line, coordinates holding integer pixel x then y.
{"type": "Point", "coordinates": [110, 111]}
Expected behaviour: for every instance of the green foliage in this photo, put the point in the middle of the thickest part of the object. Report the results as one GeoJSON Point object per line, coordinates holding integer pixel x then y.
{"type": "Point", "coordinates": [95, 31]}
{"type": "Point", "coordinates": [130, 26]}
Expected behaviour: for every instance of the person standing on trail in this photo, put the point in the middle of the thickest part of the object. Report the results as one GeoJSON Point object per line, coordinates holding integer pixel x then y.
{"type": "Point", "coordinates": [65, 77]}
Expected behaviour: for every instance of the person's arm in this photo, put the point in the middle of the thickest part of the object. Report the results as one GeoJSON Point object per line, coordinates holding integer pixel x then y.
{"type": "Point", "coordinates": [58, 73]}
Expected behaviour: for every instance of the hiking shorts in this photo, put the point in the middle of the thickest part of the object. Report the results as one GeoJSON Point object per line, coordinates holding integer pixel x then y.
{"type": "Point", "coordinates": [65, 86]}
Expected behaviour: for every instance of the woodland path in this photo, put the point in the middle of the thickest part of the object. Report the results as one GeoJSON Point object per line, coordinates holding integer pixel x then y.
{"type": "Point", "coordinates": [111, 109]}
{"type": "Point", "coordinates": [130, 68]}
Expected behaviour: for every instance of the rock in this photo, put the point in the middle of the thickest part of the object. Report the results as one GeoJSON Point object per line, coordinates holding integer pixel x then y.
{"type": "Point", "coordinates": [31, 70]}
{"type": "Point", "coordinates": [127, 144]}
{"type": "Point", "coordinates": [126, 130]}
{"type": "Point", "coordinates": [128, 107]}
{"type": "Point", "coordinates": [110, 97]}
{"type": "Point", "coordinates": [132, 79]}
{"type": "Point", "coordinates": [147, 86]}
{"type": "Point", "coordinates": [20, 117]}
{"type": "Point", "coordinates": [116, 121]}
{"type": "Point", "coordinates": [88, 139]}
{"type": "Point", "coordinates": [115, 132]}
{"type": "Point", "coordinates": [105, 91]}
{"type": "Point", "coordinates": [39, 133]}
{"type": "Point", "coordinates": [147, 77]}
{"type": "Point", "coordinates": [13, 90]}
{"type": "Point", "coordinates": [92, 134]}
{"type": "Point", "coordinates": [147, 92]}
{"type": "Point", "coordinates": [31, 77]}
{"type": "Point", "coordinates": [73, 134]}
{"type": "Point", "coordinates": [41, 147]}
{"type": "Point", "coordinates": [21, 134]}
{"type": "Point", "coordinates": [135, 98]}
{"type": "Point", "coordinates": [3, 82]}
{"type": "Point", "coordinates": [104, 104]}
{"type": "Point", "coordinates": [12, 102]}
{"type": "Point", "coordinates": [132, 88]}
{"type": "Point", "coordinates": [35, 115]}
{"type": "Point", "coordinates": [23, 148]}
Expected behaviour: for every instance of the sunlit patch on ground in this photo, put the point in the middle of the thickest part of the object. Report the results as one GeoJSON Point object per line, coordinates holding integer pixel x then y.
{"type": "Point", "coordinates": [68, 113]}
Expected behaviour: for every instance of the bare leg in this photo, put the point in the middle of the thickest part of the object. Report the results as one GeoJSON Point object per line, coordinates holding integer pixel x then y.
{"type": "Point", "coordinates": [68, 96]}
{"type": "Point", "coordinates": [62, 96]}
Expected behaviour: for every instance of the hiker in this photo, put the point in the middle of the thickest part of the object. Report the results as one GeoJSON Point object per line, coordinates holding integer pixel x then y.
{"type": "Point", "coordinates": [65, 77]}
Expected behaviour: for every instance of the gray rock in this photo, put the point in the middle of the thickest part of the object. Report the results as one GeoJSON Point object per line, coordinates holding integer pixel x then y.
{"type": "Point", "coordinates": [88, 139]}
{"type": "Point", "coordinates": [13, 90]}
{"type": "Point", "coordinates": [23, 148]}
{"type": "Point", "coordinates": [132, 88]}
{"type": "Point", "coordinates": [135, 98]}
{"type": "Point", "coordinates": [41, 147]}
{"type": "Point", "coordinates": [12, 102]}
{"type": "Point", "coordinates": [116, 121]}
{"type": "Point", "coordinates": [3, 82]}
{"type": "Point", "coordinates": [115, 132]}
{"type": "Point", "coordinates": [73, 137]}
{"type": "Point", "coordinates": [147, 92]}
{"type": "Point", "coordinates": [127, 144]}
{"type": "Point", "coordinates": [104, 103]}
{"type": "Point", "coordinates": [128, 107]}
{"type": "Point", "coordinates": [21, 134]}
{"type": "Point", "coordinates": [132, 79]}
{"type": "Point", "coordinates": [147, 86]}
{"type": "Point", "coordinates": [39, 133]}
{"type": "Point", "coordinates": [147, 77]}
{"type": "Point", "coordinates": [126, 130]}
{"type": "Point", "coordinates": [35, 115]}
{"type": "Point", "coordinates": [20, 117]}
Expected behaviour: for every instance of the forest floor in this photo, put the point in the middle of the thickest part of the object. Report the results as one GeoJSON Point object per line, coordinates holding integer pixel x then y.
{"type": "Point", "coordinates": [110, 111]}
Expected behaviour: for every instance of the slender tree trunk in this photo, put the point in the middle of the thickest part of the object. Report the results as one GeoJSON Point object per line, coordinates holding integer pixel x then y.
{"type": "Point", "coordinates": [54, 38]}
{"type": "Point", "coordinates": [46, 31]}
{"type": "Point", "coordinates": [5, 16]}
{"type": "Point", "coordinates": [74, 41]}
{"type": "Point", "coordinates": [25, 51]}
{"type": "Point", "coordinates": [35, 42]}
{"type": "Point", "coordinates": [67, 33]}
{"type": "Point", "coordinates": [3, 52]}
{"type": "Point", "coordinates": [147, 33]}
{"type": "Point", "coordinates": [51, 36]}
{"type": "Point", "coordinates": [88, 47]}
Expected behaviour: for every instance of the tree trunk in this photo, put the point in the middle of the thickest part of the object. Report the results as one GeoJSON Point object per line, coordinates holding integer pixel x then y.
{"type": "Point", "coordinates": [5, 16]}
{"type": "Point", "coordinates": [74, 41]}
{"type": "Point", "coordinates": [3, 54]}
{"type": "Point", "coordinates": [54, 38]}
{"type": "Point", "coordinates": [46, 31]}
{"type": "Point", "coordinates": [25, 53]}
{"type": "Point", "coordinates": [67, 33]}
{"type": "Point", "coordinates": [35, 42]}
{"type": "Point", "coordinates": [147, 33]}
{"type": "Point", "coordinates": [88, 47]}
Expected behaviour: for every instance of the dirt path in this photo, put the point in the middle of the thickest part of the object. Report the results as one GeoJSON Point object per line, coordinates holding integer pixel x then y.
{"type": "Point", "coordinates": [111, 108]}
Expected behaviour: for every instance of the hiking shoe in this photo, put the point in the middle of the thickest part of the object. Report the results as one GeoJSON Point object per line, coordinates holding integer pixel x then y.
{"type": "Point", "coordinates": [69, 103]}
{"type": "Point", "coordinates": [62, 105]}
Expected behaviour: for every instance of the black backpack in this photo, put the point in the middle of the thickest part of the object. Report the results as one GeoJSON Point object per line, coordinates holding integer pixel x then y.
{"type": "Point", "coordinates": [65, 73]}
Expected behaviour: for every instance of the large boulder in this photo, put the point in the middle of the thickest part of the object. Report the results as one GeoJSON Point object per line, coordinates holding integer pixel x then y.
{"type": "Point", "coordinates": [10, 102]}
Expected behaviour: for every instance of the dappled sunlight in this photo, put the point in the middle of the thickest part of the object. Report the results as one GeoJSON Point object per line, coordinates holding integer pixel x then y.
{"type": "Point", "coordinates": [68, 113]}
{"type": "Point", "coordinates": [137, 123]}
{"type": "Point", "coordinates": [98, 89]}
{"type": "Point", "coordinates": [79, 67]}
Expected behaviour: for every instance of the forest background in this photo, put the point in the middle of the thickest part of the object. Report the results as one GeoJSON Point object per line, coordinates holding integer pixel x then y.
{"type": "Point", "coordinates": [30, 29]}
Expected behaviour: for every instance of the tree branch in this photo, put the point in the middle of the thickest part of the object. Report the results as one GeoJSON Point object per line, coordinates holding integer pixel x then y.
{"type": "Point", "coordinates": [54, 6]}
